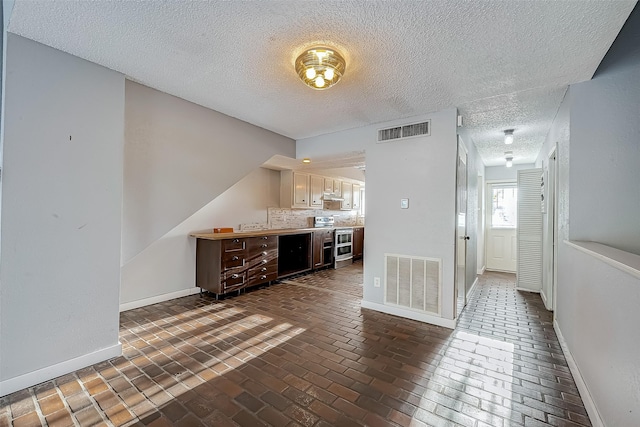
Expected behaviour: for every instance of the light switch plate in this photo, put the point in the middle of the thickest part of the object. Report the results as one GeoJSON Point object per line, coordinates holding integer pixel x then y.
{"type": "Point", "coordinates": [404, 203]}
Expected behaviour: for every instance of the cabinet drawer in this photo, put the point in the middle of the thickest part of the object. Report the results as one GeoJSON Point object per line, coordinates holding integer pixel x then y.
{"type": "Point", "coordinates": [233, 245]}
{"type": "Point", "coordinates": [264, 258]}
{"type": "Point", "coordinates": [262, 243]}
{"type": "Point", "coordinates": [263, 278]}
{"type": "Point", "coordinates": [268, 268]}
{"type": "Point", "coordinates": [233, 281]}
{"type": "Point", "coordinates": [233, 260]}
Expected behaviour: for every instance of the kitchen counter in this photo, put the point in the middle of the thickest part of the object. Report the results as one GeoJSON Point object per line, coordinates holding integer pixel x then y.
{"type": "Point", "coordinates": [258, 233]}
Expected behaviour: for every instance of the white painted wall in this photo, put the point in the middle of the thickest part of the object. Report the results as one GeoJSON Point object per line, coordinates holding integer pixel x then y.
{"type": "Point", "coordinates": [597, 313]}
{"type": "Point", "coordinates": [61, 214]}
{"type": "Point", "coordinates": [422, 169]}
{"type": "Point", "coordinates": [500, 173]}
{"type": "Point", "coordinates": [357, 139]}
{"type": "Point", "coordinates": [180, 156]}
{"type": "Point", "coordinates": [166, 268]}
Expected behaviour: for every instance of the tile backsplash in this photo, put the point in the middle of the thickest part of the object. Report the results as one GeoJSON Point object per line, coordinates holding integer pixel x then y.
{"type": "Point", "coordinates": [278, 218]}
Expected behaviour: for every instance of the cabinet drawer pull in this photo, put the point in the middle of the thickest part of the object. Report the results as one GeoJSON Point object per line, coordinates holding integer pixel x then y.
{"type": "Point", "coordinates": [264, 261]}
{"type": "Point", "coordinates": [236, 240]}
{"type": "Point", "coordinates": [263, 269]}
{"type": "Point", "coordinates": [263, 277]}
{"type": "Point", "coordinates": [264, 245]}
{"type": "Point", "coordinates": [235, 276]}
{"type": "Point", "coordinates": [264, 237]}
{"type": "Point", "coordinates": [264, 253]}
{"type": "Point", "coordinates": [234, 258]}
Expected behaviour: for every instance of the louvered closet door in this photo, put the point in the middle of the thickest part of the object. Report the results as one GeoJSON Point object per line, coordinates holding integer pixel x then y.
{"type": "Point", "coordinates": [529, 269]}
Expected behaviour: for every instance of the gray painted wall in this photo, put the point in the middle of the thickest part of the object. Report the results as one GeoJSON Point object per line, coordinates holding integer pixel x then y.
{"type": "Point", "coordinates": [597, 304]}
{"type": "Point", "coordinates": [179, 156]}
{"type": "Point", "coordinates": [61, 209]}
{"type": "Point", "coordinates": [605, 151]}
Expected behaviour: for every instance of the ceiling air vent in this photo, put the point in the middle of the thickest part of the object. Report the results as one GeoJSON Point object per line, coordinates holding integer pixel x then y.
{"type": "Point", "coordinates": [406, 131]}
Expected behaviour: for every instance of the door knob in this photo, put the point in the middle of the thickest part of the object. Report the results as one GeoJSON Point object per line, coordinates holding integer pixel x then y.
{"type": "Point", "coordinates": [466, 237]}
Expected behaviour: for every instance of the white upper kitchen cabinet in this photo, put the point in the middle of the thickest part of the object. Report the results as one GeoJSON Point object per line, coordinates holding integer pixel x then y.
{"type": "Point", "coordinates": [328, 185]}
{"type": "Point", "coordinates": [355, 205]}
{"type": "Point", "coordinates": [317, 191]}
{"type": "Point", "coordinates": [337, 188]}
{"type": "Point", "coordinates": [347, 195]}
{"type": "Point", "coordinates": [294, 189]}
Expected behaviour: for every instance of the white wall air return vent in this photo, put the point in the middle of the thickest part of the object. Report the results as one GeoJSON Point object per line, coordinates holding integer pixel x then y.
{"type": "Point", "coordinates": [406, 131]}
{"type": "Point", "coordinates": [413, 282]}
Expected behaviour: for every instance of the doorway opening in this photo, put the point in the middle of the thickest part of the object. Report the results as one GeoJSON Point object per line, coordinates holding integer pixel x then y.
{"type": "Point", "coordinates": [501, 226]}
{"type": "Point", "coordinates": [550, 231]}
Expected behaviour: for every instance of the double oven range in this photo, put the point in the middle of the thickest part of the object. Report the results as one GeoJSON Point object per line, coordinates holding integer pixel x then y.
{"type": "Point", "coordinates": [342, 241]}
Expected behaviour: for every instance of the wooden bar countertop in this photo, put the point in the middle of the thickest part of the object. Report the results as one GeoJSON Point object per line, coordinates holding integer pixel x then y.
{"type": "Point", "coordinates": [258, 233]}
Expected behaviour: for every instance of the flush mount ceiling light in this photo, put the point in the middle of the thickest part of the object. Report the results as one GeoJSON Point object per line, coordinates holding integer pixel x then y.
{"type": "Point", "coordinates": [508, 136]}
{"type": "Point", "coordinates": [508, 156]}
{"type": "Point", "coordinates": [306, 160]}
{"type": "Point", "coordinates": [320, 67]}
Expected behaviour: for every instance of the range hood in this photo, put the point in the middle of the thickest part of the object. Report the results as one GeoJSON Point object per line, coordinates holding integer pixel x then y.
{"type": "Point", "coordinates": [332, 197]}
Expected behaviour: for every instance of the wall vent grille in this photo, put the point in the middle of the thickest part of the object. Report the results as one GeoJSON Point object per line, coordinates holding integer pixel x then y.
{"type": "Point", "coordinates": [413, 282]}
{"type": "Point", "coordinates": [406, 131]}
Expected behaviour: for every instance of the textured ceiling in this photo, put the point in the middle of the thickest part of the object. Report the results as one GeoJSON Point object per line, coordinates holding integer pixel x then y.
{"type": "Point", "coordinates": [506, 64]}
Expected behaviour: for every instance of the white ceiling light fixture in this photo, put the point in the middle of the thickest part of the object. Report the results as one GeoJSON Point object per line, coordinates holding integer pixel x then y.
{"type": "Point", "coordinates": [508, 156]}
{"type": "Point", "coordinates": [320, 67]}
{"type": "Point", "coordinates": [508, 136]}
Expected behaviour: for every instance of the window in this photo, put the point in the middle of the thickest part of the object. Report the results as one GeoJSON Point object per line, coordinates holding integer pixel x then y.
{"type": "Point", "coordinates": [504, 206]}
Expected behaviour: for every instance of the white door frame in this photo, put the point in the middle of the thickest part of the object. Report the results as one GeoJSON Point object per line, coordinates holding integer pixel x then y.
{"type": "Point", "coordinates": [481, 254]}
{"type": "Point", "coordinates": [487, 206]}
{"type": "Point", "coordinates": [463, 154]}
{"type": "Point", "coordinates": [550, 249]}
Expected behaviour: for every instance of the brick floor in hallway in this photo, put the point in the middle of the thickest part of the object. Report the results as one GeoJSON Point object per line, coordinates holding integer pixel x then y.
{"type": "Point", "coordinates": [303, 353]}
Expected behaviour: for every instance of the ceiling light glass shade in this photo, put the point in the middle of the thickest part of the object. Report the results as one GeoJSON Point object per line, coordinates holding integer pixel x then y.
{"type": "Point", "coordinates": [320, 67]}
{"type": "Point", "coordinates": [306, 160]}
{"type": "Point", "coordinates": [508, 136]}
{"type": "Point", "coordinates": [509, 161]}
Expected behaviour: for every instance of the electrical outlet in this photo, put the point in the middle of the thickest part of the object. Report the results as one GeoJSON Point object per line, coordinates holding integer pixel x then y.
{"type": "Point", "coordinates": [376, 282]}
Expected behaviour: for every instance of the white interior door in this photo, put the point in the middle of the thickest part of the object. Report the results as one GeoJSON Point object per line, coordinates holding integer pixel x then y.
{"type": "Point", "coordinates": [461, 230]}
{"type": "Point", "coordinates": [502, 210]}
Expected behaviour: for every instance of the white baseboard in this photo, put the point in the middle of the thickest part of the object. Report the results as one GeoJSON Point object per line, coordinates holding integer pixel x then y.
{"type": "Point", "coordinates": [544, 300]}
{"type": "Point", "coordinates": [589, 404]}
{"type": "Point", "coordinates": [481, 270]}
{"type": "Point", "coordinates": [475, 282]}
{"type": "Point", "coordinates": [50, 372]}
{"type": "Point", "coordinates": [409, 314]}
{"type": "Point", "coordinates": [527, 290]}
{"type": "Point", "coordinates": [158, 298]}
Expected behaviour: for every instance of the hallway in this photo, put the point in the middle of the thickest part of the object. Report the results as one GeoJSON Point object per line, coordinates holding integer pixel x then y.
{"type": "Point", "coordinates": [303, 353]}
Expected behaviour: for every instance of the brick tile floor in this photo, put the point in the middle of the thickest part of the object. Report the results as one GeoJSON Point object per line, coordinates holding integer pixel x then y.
{"type": "Point", "coordinates": [303, 353]}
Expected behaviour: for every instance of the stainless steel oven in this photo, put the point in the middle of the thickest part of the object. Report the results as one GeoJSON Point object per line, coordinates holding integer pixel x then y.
{"type": "Point", "coordinates": [343, 247]}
